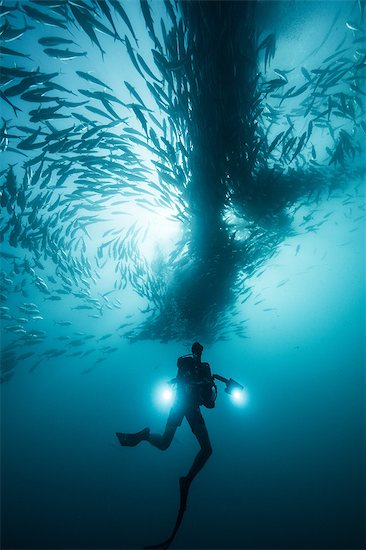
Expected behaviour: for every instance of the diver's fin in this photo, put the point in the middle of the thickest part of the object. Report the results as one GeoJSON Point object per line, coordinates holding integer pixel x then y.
{"type": "Point", "coordinates": [184, 486]}
{"type": "Point", "coordinates": [184, 490]}
{"type": "Point", "coordinates": [131, 440]}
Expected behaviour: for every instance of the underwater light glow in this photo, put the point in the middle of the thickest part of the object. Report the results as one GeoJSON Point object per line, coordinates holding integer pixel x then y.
{"type": "Point", "coordinates": [164, 395]}
{"type": "Point", "coordinates": [161, 231]}
{"type": "Point", "coordinates": [236, 395]}
{"type": "Point", "coordinates": [167, 395]}
{"type": "Point", "coordinates": [236, 223]}
{"type": "Point", "coordinates": [155, 229]}
{"type": "Point", "coordinates": [239, 397]}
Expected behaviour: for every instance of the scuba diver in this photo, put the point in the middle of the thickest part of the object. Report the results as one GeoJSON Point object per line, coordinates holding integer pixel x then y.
{"type": "Point", "coordinates": [195, 386]}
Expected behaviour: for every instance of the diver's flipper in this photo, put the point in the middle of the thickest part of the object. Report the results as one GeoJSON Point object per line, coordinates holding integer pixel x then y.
{"type": "Point", "coordinates": [131, 440]}
{"type": "Point", "coordinates": [184, 490]}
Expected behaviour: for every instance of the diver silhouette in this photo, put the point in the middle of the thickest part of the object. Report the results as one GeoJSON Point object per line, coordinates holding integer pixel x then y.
{"type": "Point", "coordinates": [194, 387]}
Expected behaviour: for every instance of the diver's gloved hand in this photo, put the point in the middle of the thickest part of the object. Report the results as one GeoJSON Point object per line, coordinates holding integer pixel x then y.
{"type": "Point", "coordinates": [131, 440]}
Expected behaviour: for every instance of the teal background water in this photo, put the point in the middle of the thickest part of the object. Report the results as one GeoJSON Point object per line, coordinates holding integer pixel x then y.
{"type": "Point", "coordinates": [287, 468]}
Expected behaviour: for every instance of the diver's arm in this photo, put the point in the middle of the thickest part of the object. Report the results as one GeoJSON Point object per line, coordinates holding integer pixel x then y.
{"type": "Point", "coordinates": [181, 376]}
{"type": "Point", "coordinates": [206, 375]}
{"type": "Point", "coordinates": [229, 382]}
{"type": "Point", "coordinates": [221, 378]}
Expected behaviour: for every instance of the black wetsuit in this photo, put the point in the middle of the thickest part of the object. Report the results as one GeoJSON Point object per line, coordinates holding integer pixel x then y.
{"type": "Point", "coordinates": [194, 383]}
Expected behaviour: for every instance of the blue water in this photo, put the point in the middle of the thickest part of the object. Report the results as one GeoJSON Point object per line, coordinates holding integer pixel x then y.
{"type": "Point", "coordinates": [287, 469]}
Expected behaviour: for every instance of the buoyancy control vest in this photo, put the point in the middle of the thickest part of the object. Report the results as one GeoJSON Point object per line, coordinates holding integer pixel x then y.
{"type": "Point", "coordinates": [197, 379]}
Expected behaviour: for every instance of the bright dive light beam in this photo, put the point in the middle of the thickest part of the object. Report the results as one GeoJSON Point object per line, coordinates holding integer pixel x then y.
{"type": "Point", "coordinates": [167, 395]}
{"type": "Point", "coordinates": [164, 396]}
{"type": "Point", "coordinates": [237, 395]}
{"type": "Point", "coordinates": [240, 397]}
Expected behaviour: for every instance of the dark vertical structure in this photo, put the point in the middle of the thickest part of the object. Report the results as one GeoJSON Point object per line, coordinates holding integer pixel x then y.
{"type": "Point", "coordinates": [215, 110]}
{"type": "Point", "coordinates": [222, 137]}
{"type": "Point", "coordinates": [221, 80]}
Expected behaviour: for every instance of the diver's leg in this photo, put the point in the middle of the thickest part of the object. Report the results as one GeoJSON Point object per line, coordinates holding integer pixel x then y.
{"type": "Point", "coordinates": [163, 441]}
{"type": "Point", "coordinates": [131, 440]}
{"type": "Point", "coordinates": [201, 433]}
{"type": "Point", "coordinates": [175, 419]}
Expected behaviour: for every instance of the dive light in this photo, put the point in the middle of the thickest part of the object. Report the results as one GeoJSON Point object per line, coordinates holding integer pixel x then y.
{"type": "Point", "coordinates": [165, 393]}
{"type": "Point", "coordinates": [233, 388]}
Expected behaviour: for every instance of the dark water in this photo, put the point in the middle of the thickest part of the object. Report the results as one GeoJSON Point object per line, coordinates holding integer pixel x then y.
{"type": "Point", "coordinates": [287, 469]}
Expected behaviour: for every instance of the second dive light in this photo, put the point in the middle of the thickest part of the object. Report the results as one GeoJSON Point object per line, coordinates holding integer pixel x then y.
{"type": "Point", "coordinates": [166, 392]}
{"type": "Point", "coordinates": [233, 388]}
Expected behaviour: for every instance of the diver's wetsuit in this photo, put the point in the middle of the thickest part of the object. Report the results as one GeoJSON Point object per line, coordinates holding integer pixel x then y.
{"type": "Point", "coordinates": [194, 380]}
{"type": "Point", "coordinates": [194, 388]}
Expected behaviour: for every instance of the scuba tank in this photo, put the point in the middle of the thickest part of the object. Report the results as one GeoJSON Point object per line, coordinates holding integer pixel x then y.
{"type": "Point", "coordinates": [199, 379]}
{"type": "Point", "coordinates": [209, 395]}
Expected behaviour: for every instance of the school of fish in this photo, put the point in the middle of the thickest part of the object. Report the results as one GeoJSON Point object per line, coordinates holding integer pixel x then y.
{"type": "Point", "coordinates": [214, 135]}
